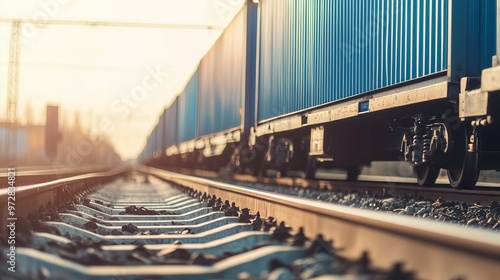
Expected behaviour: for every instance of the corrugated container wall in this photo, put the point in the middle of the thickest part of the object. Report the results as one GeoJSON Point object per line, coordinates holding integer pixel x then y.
{"type": "Point", "coordinates": [251, 61]}
{"type": "Point", "coordinates": [154, 138]}
{"type": "Point", "coordinates": [482, 33]}
{"type": "Point", "coordinates": [149, 147]}
{"type": "Point", "coordinates": [171, 124]}
{"type": "Point", "coordinates": [188, 110]}
{"type": "Point", "coordinates": [163, 121]}
{"type": "Point", "coordinates": [222, 80]}
{"type": "Point", "coordinates": [315, 52]}
{"type": "Point", "coordinates": [151, 144]}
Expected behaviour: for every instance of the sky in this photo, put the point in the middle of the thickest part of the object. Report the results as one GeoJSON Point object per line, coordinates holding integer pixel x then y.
{"type": "Point", "coordinates": [118, 78]}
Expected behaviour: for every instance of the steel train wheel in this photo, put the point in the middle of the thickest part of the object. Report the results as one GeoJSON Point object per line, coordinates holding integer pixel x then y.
{"type": "Point", "coordinates": [426, 174]}
{"type": "Point", "coordinates": [463, 170]}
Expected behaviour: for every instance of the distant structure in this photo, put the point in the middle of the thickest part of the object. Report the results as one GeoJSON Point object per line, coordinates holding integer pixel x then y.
{"type": "Point", "coordinates": [52, 135]}
{"type": "Point", "coordinates": [29, 148]}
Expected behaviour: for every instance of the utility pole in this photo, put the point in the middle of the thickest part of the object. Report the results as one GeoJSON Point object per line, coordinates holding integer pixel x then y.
{"type": "Point", "coordinates": [12, 93]}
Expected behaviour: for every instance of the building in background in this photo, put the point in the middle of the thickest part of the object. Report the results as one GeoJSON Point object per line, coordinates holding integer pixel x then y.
{"type": "Point", "coordinates": [29, 148]}
{"type": "Point", "coordinates": [72, 148]}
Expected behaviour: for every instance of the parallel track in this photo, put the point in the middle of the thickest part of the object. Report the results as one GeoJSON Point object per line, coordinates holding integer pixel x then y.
{"type": "Point", "coordinates": [29, 198]}
{"type": "Point", "coordinates": [35, 175]}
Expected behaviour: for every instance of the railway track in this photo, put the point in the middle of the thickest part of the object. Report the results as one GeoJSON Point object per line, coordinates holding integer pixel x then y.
{"type": "Point", "coordinates": [135, 229]}
{"type": "Point", "coordinates": [483, 194]}
{"type": "Point", "coordinates": [36, 175]}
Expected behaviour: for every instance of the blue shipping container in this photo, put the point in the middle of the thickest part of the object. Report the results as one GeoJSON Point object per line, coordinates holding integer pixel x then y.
{"type": "Point", "coordinates": [222, 80]}
{"type": "Point", "coordinates": [163, 122]}
{"type": "Point", "coordinates": [171, 115]}
{"type": "Point", "coordinates": [316, 52]}
{"type": "Point", "coordinates": [188, 110]}
{"type": "Point", "coordinates": [149, 146]}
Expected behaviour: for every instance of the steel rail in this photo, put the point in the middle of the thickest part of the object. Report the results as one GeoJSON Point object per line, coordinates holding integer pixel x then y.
{"type": "Point", "coordinates": [34, 175]}
{"type": "Point", "coordinates": [30, 197]}
{"type": "Point", "coordinates": [432, 249]}
{"type": "Point", "coordinates": [484, 192]}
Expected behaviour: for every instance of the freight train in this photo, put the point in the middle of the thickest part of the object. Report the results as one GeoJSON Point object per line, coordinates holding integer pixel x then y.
{"type": "Point", "coordinates": [297, 85]}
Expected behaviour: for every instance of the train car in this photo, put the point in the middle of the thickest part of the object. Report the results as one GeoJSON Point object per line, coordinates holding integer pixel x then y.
{"type": "Point", "coordinates": [153, 151]}
{"type": "Point", "coordinates": [152, 146]}
{"type": "Point", "coordinates": [187, 121]}
{"type": "Point", "coordinates": [211, 115]}
{"type": "Point", "coordinates": [342, 84]}
{"type": "Point", "coordinates": [171, 132]}
{"type": "Point", "coordinates": [296, 85]}
{"type": "Point", "coordinates": [158, 139]}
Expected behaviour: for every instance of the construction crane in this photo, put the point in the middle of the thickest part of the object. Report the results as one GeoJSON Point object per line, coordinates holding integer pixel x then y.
{"type": "Point", "coordinates": [13, 68]}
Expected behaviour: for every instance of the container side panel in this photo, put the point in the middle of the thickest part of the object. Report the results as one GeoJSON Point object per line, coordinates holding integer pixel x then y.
{"type": "Point", "coordinates": [222, 80]}
{"type": "Point", "coordinates": [164, 130]}
{"type": "Point", "coordinates": [251, 52]}
{"type": "Point", "coordinates": [188, 110]}
{"type": "Point", "coordinates": [159, 135]}
{"type": "Point", "coordinates": [171, 125]}
{"type": "Point", "coordinates": [316, 52]}
{"type": "Point", "coordinates": [488, 32]}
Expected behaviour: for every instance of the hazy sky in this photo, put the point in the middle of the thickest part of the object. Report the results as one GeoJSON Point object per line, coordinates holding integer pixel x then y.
{"type": "Point", "coordinates": [118, 78]}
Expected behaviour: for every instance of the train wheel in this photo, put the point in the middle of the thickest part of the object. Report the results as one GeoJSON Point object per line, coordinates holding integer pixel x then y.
{"type": "Point", "coordinates": [311, 167]}
{"type": "Point", "coordinates": [426, 174]}
{"type": "Point", "coordinates": [353, 173]}
{"type": "Point", "coordinates": [463, 170]}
